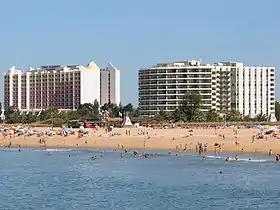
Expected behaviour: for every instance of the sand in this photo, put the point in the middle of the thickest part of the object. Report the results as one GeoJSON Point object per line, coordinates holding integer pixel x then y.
{"type": "Point", "coordinates": [157, 139]}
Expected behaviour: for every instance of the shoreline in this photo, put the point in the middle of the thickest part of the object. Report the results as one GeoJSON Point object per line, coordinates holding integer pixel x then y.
{"type": "Point", "coordinates": [210, 152]}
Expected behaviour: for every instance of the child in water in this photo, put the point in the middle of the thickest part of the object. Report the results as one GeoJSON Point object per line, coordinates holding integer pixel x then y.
{"type": "Point", "coordinates": [277, 157]}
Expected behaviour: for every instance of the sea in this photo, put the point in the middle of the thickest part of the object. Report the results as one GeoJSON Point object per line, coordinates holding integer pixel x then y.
{"type": "Point", "coordinates": [96, 179]}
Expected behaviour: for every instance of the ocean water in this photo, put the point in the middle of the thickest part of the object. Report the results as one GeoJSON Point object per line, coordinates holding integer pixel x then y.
{"type": "Point", "coordinates": [51, 179]}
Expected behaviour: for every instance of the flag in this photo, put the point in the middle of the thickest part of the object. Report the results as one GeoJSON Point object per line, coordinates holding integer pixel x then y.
{"type": "Point", "coordinates": [39, 113]}
{"type": "Point", "coordinates": [3, 115]}
{"type": "Point", "coordinates": [106, 115]}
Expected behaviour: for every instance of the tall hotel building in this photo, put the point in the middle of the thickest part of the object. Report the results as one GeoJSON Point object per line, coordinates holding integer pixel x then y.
{"type": "Point", "coordinates": [222, 86]}
{"type": "Point", "coordinates": [110, 85]}
{"type": "Point", "coordinates": [61, 87]}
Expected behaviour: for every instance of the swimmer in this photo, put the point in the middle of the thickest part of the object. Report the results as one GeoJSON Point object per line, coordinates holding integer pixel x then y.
{"type": "Point", "coordinates": [236, 157]}
{"type": "Point", "coordinates": [93, 157]}
{"type": "Point", "coordinates": [227, 159]}
{"type": "Point", "coordinates": [135, 153]}
{"type": "Point", "coordinates": [277, 157]}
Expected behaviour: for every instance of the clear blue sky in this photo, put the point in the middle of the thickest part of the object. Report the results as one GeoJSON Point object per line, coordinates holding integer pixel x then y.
{"type": "Point", "coordinates": [133, 34]}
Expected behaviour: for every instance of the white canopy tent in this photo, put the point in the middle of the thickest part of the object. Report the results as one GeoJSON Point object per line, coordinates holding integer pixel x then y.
{"type": "Point", "coordinates": [127, 122]}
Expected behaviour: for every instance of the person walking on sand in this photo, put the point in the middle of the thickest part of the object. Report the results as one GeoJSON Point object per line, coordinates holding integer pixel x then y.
{"type": "Point", "coordinates": [185, 148]}
{"type": "Point", "coordinates": [270, 152]}
{"type": "Point", "coordinates": [205, 148]}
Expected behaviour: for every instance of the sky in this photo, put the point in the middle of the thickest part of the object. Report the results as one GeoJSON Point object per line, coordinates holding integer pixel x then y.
{"type": "Point", "coordinates": [136, 34]}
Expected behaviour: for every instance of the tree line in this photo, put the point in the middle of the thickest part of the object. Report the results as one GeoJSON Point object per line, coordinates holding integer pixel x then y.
{"type": "Point", "coordinates": [87, 111]}
{"type": "Point", "coordinates": [188, 111]}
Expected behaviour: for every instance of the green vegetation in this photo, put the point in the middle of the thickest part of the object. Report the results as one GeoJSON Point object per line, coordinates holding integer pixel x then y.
{"type": "Point", "coordinates": [55, 117]}
{"type": "Point", "coordinates": [189, 112]}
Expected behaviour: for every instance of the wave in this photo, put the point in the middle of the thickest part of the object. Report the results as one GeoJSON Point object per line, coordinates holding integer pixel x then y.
{"type": "Point", "coordinates": [58, 150]}
{"type": "Point", "coordinates": [240, 159]}
{"type": "Point", "coordinates": [215, 157]}
{"type": "Point", "coordinates": [9, 149]}
{"type": "Point", "coordinates": [256, 161]}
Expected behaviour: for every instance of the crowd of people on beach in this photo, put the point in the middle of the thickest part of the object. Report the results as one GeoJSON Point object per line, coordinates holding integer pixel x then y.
{"type": "Point", "coordinates": [12, 132]}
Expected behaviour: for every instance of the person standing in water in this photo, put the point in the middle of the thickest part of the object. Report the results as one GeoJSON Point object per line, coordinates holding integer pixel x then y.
{"type": "Point", "coordinates": [270, 152]}
{"type": "Point", "coordinates": [200, 149]}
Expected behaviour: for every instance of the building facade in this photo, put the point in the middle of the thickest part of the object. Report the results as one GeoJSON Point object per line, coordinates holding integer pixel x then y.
{"type": "Point", "coordinates": [60, 87]}
{"type": "Point", "coordinates": [110, 85]}
{"type": "Point", "coordinates": [222, 86]}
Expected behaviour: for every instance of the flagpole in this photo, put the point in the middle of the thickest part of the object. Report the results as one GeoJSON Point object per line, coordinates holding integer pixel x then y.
{"type": "Point", "coordinates": [99, 115]}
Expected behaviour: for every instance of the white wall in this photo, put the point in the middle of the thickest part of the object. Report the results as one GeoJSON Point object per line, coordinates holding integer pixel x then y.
{"type": "Point", "coordinates": [115, 86]}
{"type": "Point", "coordinates": [28, 90]}
{"type": "Point", "coordinates": [11, 89]}
{"type": "Point", "coordinates": [19, 91]}
{"type": "Point", "coordinates": [90, 83]}
{"type": "Point", "coordinates": [256, 98]}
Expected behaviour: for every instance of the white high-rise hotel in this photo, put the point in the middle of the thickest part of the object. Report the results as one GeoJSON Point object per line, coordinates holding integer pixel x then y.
{"type": "Point", "coordinates": [61, 87]}
{"type": "Point", "coordinates": [222, 86]}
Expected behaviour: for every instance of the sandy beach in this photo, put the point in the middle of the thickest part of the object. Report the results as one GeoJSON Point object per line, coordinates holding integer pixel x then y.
{"type": "Point", "coordinates": [174, 139]}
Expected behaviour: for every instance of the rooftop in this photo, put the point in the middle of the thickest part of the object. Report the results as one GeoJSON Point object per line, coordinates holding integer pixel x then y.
{"type": "Point", "coordinates": [196, 63]}
{"type": "Point", "coordinates": [48, 68]}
